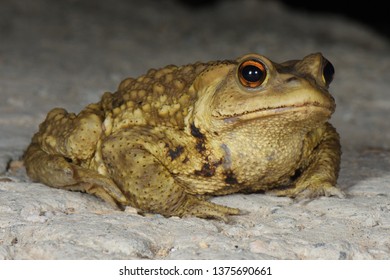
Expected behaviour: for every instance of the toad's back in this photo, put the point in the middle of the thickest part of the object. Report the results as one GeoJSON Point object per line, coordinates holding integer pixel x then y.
{"type": "Point", "coordinates": [162, 97]}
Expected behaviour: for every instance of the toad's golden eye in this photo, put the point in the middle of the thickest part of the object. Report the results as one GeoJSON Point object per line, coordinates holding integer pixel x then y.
{"type": "Point", "coordinates": [252, 73]}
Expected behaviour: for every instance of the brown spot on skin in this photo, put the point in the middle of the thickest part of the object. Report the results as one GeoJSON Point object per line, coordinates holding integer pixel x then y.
{"type": "Point", "coordinates": [196, 132]}
{"type": "Point", "coordinates": [200, 138]}
{"type": "Point", "coordinates": [185, 160]}
{"type": "Point", "coordinates": [173, 154]}
{"type": "Point", "coordinates": [208, 170]}
{"type": "Point", "coordinates": [200, 146]}
{"type": "Point", "coordinates": [230, 178]}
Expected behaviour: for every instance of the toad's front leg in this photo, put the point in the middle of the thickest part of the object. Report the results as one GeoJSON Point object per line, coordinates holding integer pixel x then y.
{"type": "Point", "coordinates": [320, 170]}
{"type": "Point", "coordinates": [148, 184]}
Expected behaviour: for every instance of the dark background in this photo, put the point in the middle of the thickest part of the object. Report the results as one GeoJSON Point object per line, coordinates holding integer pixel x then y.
{"type": "Point", "coordinates": [373, 13]}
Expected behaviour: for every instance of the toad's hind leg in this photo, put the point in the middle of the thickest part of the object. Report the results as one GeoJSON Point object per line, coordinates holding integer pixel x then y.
{"type": "Point", "coordinates": [63, 142]}
{"type": "Point", "coordinates": [56, 171]}
{"type": "Point", "coordinates": [149, 185]}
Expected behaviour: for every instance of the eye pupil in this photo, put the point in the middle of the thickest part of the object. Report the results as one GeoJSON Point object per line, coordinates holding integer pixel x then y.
{"type": "Point", "coordinates": [328, 72]}
{"type": "Point", "coordinates": [251, 73]}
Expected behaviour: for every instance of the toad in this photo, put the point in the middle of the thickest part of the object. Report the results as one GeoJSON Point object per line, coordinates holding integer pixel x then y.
{"type": "Point", "coordinates": [166, 141]}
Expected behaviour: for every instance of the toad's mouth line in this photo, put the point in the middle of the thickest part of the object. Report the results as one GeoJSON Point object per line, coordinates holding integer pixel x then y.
{"type": "Point", "coordinates": [264, 112]}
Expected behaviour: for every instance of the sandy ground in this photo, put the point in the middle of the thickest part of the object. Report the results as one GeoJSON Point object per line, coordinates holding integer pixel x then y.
{"type": "Point", "coordinates": [67, 53]}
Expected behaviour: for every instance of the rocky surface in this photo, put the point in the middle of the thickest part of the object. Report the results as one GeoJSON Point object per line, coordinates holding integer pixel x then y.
{"type": "Point", "coordinates": [67, 53]}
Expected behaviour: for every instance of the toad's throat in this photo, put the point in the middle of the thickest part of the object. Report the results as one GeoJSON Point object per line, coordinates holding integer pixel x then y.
{"type": "Point", "coordinates": [310, 107]}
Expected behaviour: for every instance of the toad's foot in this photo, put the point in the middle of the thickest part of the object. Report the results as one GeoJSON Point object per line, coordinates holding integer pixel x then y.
{"type": "Point", "coordinates": [194, 206]}
{"type": "Point", "coordinates": [308, 190]}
